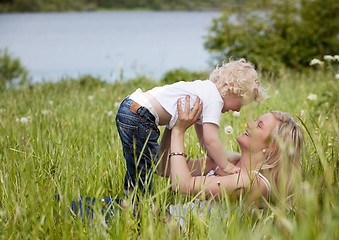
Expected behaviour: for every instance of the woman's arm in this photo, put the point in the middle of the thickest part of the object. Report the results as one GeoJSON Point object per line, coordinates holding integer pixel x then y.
{"type": "Point", "coordinates": [182, 179]}
{"type": "Point", "coordinates": [184, 183]}
{"type": "Point", "coordinates": [164, 166]}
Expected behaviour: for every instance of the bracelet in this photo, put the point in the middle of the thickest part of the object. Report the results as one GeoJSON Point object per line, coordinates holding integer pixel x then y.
{"type": "Point", "coordinates": [177, 153]}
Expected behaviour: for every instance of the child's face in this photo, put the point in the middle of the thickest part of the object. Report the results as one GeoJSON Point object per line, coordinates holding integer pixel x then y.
{"type": "Point", "coordinates": [232, 102]}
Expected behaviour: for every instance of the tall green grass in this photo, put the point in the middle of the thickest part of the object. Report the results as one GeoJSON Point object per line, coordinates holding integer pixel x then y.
{"type": "Point", "coordinates": [61, 139]}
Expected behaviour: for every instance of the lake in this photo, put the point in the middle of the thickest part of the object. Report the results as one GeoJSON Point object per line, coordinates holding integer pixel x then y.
{"type": "Point", "coordinates": [107, 44]}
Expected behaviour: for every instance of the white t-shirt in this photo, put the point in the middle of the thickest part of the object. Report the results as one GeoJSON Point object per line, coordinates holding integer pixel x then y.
{"type": "Point", "coordinates": [208, 93]}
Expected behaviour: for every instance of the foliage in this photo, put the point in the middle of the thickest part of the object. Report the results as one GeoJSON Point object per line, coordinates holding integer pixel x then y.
{"type": "Point", "coordinates": [11, 70]}
{"type": "Point", "coordinates": [140, 82]}
{"type": "Point", "coordinates": [60, 139]}
{"type": "Point", "coordinates": [177, 75]}
{"type": "Point", "coordinates": [81, 5]}
{"type": "Point", "coordinates": [276, 34]}
{"type": "Point", "coordinates": [46, 6]}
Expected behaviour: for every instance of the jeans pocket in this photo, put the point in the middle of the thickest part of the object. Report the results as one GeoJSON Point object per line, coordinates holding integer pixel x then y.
{"type": "Point", "coordinates": [128, 134]}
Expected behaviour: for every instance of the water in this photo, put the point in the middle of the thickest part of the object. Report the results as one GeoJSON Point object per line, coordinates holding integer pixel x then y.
{"type": "Point", "coordinates": [106, 44]}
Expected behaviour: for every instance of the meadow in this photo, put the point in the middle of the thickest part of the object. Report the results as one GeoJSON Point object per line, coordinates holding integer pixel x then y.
{"type": "Point", "coordinates": [61, 139]}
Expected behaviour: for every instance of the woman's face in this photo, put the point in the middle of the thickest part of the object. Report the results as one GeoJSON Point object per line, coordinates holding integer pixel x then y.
{"type": "Point", "coordinates": [256, 135]}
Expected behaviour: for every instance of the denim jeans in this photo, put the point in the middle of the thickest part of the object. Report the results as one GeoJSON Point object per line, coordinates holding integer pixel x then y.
{"type": "Point", "coordinates": [139, 136]}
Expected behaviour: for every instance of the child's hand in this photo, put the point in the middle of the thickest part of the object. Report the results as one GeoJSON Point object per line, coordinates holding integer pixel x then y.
{"type": "Point", "coordinates": [231, 169]}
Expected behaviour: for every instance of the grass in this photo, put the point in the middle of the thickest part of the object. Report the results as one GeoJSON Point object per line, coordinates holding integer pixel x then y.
{"type": "Point", "coordinates": [70, 147]}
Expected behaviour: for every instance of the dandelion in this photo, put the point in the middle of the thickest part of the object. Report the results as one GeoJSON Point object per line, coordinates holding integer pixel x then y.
{"type": "Point", "coordinates": [329, 58]}
{"type": "Point", "coordinates": [236, 114]}
{"type": "Point", "coordinates": [228, 130]}
{"type": "Point", "coordinates": [24, 120]}
{"type": "Point", "coordinates": [316, 61]}
{"type": "Point", "coordinates": [312, 97]}
{"type": "Point", "coordinates": [116, 104]}
{"type": "Point", "coordinates": [90, 97]}
{"type": "Point", "coordinates": [110, 113]}
{"type": "Point", "coordinates": [337, 75]}
{"type": "Point", "coordinates": [45, 112]}
{"type": "Point", "coordinates": [302, 113]}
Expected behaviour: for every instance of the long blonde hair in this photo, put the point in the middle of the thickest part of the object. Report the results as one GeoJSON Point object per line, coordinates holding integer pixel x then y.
{"type": "Point", "coordinates": [284, 153]}
{"type": "Point", "coordinates": [239, 78]}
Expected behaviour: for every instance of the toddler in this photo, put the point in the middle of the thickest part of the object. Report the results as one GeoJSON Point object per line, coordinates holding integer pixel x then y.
{"type": "Point", "coordinates": [229, 87]}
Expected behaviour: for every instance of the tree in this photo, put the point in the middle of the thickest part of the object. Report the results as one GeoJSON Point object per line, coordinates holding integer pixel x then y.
{"type": "Point", "coordinates": [274, 34]}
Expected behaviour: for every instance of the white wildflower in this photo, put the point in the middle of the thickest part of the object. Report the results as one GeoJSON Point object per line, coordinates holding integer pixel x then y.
{"type": "Point", "coordinates": [336, 57]}
{"type": "Point", "coordinates": [45, 112]}
{"type": "Point", "coordinates": [236, 114]}
{"type": "Point", "coordinates": [337, 76]}
{"type": "Point", "coordinates": [228, 130]}
{"type": "Point", "coordinates": [329, 58]}
{"type": "Point", "coordinates": [316, 61]}
{"type": "Point", "coordinates": [24, 120]}
{"type": "Point", "coordinates": [90, 97]}
{"type": "Point", "coordinates": [50, 102]}
{"type": "Point", "coordinates": [312, 97]}
{"type": "Point", "coordinates": [330, 144]}
{"type": "Point", "coordinates": [2, 180]}
{"type": "Point", "coordinates": [110, 113]}
{"type": "Point", "coordinates": [116, 104]}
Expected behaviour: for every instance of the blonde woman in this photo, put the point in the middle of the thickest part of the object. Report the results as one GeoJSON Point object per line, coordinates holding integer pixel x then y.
{"type": "Point", "coordinates": [270, 154]}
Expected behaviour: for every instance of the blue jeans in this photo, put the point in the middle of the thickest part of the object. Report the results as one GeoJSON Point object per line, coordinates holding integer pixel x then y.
{"type": "Point", "coordinates": [139, 136]}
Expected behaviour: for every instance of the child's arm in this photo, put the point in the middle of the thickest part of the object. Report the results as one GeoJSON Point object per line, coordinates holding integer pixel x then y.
{"type": "Point", "coordinates": [215, 149]}
{"type": "Point", "coordinates": [199, 130]}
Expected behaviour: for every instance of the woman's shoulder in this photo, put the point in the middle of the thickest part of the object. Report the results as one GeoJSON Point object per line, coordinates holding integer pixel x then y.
{"type": "Point", "coordinates": [253, 183]}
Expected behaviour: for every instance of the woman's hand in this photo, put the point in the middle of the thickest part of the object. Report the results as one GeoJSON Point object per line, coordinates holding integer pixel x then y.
{"type": "Point", "coordinates": [188, 117]}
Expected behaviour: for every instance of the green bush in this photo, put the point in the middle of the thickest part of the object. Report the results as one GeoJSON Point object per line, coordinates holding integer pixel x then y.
{"type": "Point", "coordinates": [11, 71]}
{"type": "Point", "coordinates": [276, 34]}
{"type": "Point", "coordinates": [177, 75]}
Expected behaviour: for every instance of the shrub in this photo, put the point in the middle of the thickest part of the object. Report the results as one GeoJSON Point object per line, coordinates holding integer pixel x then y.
{"type": "Point", "coordinates": [11, 71]}
{"type": "Point", "coordinates": [182, 75]}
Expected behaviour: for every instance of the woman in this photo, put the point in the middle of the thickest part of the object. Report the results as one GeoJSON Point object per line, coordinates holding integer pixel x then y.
{"type": "Point", "coordinates": [270, 155]}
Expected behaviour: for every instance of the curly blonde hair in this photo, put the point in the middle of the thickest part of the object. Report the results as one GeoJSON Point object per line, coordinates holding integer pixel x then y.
{"type": "Point", "coordinates": [239, 78]}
